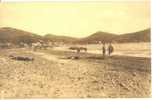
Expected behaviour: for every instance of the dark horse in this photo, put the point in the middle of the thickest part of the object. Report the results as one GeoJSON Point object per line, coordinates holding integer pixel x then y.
{"type": "Point", "coordinates": [78, 49]}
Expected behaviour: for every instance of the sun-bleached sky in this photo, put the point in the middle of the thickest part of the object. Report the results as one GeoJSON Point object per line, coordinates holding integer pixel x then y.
{"type": "Point", "coordinates": [77, 19]}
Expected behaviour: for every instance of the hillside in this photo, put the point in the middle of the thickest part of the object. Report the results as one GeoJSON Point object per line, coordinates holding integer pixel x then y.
{"type": "Point", "coordinates": [140, 36]}
{"type": "Point", "coordinates": [16, 36]}
{"type": "Point", "coordinates": [55, 38]}
{"type": "Point", "coordinates": [98, 36]}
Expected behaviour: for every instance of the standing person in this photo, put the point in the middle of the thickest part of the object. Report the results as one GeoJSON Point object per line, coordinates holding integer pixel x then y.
{"type": "Point", "coordinates": [103, 49]}
{"type": "Point", "coordinates": [110, 49]}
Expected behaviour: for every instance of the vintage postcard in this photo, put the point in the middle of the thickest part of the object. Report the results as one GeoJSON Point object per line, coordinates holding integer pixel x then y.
{"type": "Point", "coordinates": [84, 49]}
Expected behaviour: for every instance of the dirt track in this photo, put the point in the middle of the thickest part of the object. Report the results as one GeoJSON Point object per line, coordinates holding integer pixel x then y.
{"type": "Point", "coordinates": [50, 76]}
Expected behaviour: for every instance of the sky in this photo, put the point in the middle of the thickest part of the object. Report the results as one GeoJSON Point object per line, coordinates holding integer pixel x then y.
{"type": "Point", "coordinates": [76, 19]}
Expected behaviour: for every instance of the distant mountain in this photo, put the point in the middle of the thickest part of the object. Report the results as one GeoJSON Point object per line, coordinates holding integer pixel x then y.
{"type": "Point", "coordinates": [141, 36]}
{"type": "Point", "coordinates": [16, 36]}
{"type": "Point", "coordinates": [98, 36]}
{"type": "Point", "coordinates": [55, 38]}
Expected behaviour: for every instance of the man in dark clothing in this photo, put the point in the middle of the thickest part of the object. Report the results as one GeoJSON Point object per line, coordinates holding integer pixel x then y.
{"type": "Point", "coordinates": [110, 49]}
{"type": "Point", "coordinates": [103, 50]}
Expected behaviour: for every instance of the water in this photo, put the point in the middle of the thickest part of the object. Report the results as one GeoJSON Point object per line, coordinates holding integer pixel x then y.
{"type": "Point", "coordinates": [127, 49]}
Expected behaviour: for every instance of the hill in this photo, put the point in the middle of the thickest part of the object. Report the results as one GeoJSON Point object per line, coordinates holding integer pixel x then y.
{"type": "Point", "coordinates": [55, 38]}
{"type": "Point", "coordinates": [98, 36]}
{"type": "Point", "coordinates": [16, 36]}
{"type": "Point", "coordinates": [140, 36]}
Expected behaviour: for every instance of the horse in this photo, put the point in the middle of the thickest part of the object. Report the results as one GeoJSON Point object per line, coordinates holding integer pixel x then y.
{"type": "Point", "coordinates": [78, 49]}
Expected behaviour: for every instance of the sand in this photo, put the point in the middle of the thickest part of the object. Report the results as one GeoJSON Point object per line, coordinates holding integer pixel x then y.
{"type": "Point", "coordinates": [53, 75]}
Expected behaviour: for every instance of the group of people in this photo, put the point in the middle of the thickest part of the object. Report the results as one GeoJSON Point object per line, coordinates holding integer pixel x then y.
{"type": "Point", "coordinates": [109, 49]}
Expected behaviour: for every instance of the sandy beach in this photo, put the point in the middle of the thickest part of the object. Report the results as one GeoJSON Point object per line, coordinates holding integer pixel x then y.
{"type": "Point", "coordinates": [85, 49]}
{"type": "Point", "coordinates": [53, 74]}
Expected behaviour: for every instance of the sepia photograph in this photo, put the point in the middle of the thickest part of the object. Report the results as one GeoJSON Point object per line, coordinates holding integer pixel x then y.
{"type": "Point", "coordinates": [84, 49]}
